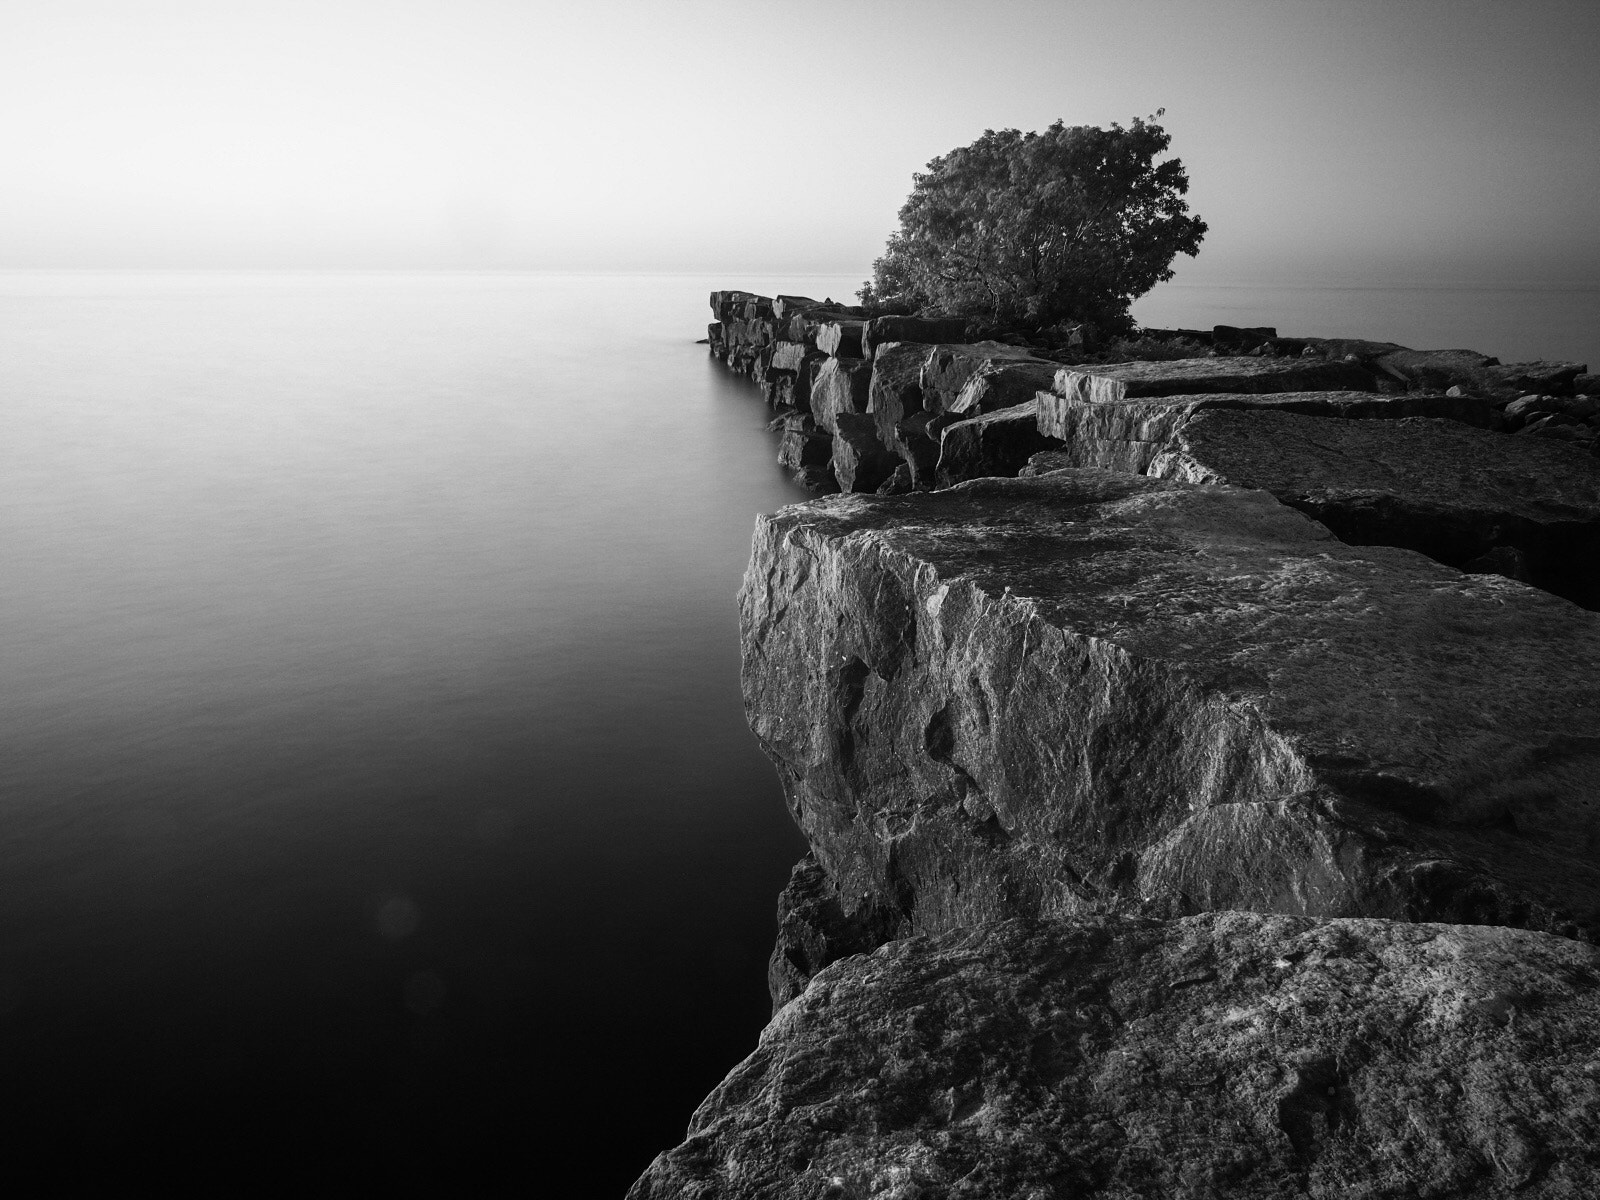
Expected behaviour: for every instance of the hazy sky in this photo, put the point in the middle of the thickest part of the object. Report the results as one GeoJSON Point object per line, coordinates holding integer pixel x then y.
{"type": "Point", "coordinates": [1337, 141]}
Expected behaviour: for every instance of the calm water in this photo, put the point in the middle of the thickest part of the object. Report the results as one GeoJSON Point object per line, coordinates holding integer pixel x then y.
{"type": "Point", "coordinates": [377, 802]}
{"type": "Point", "coordinates": [376, 793]}
{"type": "Point", "coordinates": [1513, 324]}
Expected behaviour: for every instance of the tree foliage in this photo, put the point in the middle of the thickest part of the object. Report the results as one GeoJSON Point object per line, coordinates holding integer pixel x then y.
{"type": "Point", "coordinates": [1071, 224]}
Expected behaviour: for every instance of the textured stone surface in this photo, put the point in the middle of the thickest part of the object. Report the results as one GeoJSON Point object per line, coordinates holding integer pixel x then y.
{"type": "Point", "coordinates": [1187, 376]}
{"type": "Point", "coordinates": [814, 930]}
{"type": "Point", "coordinates": [842, 385]}
{"type": "Point", "coordinates": [947, 369]}
{"type": "Point", "coordinates": [998, 443]}
{"type": "Point", "coordinates": [1090, 692]}
{"type": "Point", "coordinates": [896, 389]}
{"type": "Point", "coordinates": [895, 401]}
{"type": "Point", "coordinates": [1224, 1056]}
{"type": "Point", "coordinates": [1448, 491]}
{"type": "Point", "coordinates": [1128, 434]}
{"type": "Point", "coordinates": [1003, 385]}
{"type": "Point", "coordinates": [929, 331]}
{"type": "Point", "coordinates": [841, 338]}
{"type": "Point", "coordinates": [860, 461]}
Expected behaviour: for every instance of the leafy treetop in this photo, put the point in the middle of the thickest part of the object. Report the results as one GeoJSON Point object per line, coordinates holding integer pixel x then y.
{"type": "Point", "coordinates": [1067, 225]}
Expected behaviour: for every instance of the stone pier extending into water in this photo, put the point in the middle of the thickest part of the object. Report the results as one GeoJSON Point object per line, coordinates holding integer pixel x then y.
{"type": "Point", "coordinates": [1200, 761]}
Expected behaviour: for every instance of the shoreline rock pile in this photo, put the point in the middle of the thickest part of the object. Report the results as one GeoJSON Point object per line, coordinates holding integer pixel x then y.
{"type": "Point", "coordinates": [1200, 761]}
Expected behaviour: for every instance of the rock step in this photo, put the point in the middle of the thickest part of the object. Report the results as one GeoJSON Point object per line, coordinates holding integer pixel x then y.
{"type": "Point", "coordinates": [1257, 1057]}
{"type": "Point", "coordinates": [1184, 376]}
{"type": "Point", "coordinates": [1528, 508]}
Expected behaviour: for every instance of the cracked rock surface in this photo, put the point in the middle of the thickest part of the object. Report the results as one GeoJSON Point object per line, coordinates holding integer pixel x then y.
{"type": "Point", "coordinates": [1451, 492]}
{"type": "Point", "coordinates": [1229, 1055]}
{"type": "Point", "coordinates": [1090, 692]}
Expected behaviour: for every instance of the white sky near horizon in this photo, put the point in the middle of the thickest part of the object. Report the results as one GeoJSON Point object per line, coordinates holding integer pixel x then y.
{"type": "Point", "coordinates": [1327, 141]}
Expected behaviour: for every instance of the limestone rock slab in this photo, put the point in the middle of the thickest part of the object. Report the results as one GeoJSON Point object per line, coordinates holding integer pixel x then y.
{"type": "Point", "coordinates": [842, 385]}
{"type": "Point", "coordinates": [998, 443]}
{"type": "Point", "coordinates": [1095, 692]}
{"type": "Point", "coordinates": [1189, 376]}
{"type": "Point", "coordinates": [1229, 1054]}
{"type": "Point", "coordinates": [1000, 385]}
{"type": "Point", "coordinates": [1463, 496]}
{"type": "Point", "coordinates": [861, 463]}
{"type": "Point", "coordinates": [928, 331]}
{"type": "Point", "coordinates": [948, 369]}
{"type": "Point", "coordinates": [1127, 434]}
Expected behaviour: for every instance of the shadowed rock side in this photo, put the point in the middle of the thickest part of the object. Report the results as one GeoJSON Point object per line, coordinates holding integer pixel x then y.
{"type": "Point", "coordinates": [1223, 1055]}
{"type": "Point", "coordinates": [997, 443]}
{"type": "Point", "coordinates": [1090, 692]}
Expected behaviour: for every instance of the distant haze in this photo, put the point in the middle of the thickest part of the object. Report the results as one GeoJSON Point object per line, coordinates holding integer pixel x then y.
{"type": "Point", "coordinates": [1430, 141]}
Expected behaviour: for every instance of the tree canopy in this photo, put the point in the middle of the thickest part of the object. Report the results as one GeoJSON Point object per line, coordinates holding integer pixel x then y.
{"type": "Point", "coordinates": [1070, 224]}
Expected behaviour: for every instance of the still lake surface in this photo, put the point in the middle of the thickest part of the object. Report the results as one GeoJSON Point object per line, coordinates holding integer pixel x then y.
{"type": "Point", "coordinates": [375, 796]}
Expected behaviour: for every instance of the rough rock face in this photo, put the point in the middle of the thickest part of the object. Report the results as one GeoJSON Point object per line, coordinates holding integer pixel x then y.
{"type": "Point", "coordinates": [1466, 497]}
{"type": "Point", "coordinates": [1128, 434]}
{"type": "Point", "coordinates": [842, 339]}
{"type": "Point", "coordinates": [895, 402]}
{"type": "Point", "coordinates": [814, 930]}
{"type": "Point", "coordinates": [947, 369]}
{"type": "Point", "coordinates": [860, 462]}
{"type": "Point", "coordinates": [1227, 1055]}
{"type": "Point", "coordinates": [1003, 385]}
{"type": "Point", "coordinates": [841, 386]}
{"type": "Point", "coordinates": [929, 331]}
{"type": "Point", "coordinates": [1188, 376]}
{"type": "Point", "coordinates": [1093, 692]}
{"type": "Point", "coordinates": [997, 443]}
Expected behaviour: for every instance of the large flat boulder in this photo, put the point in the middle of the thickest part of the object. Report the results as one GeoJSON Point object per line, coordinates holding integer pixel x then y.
{"type": "Point", "coordinates": [1187, 376]}
{"type": "Point", "coordinates": [1525, 507]}
{"type": "Point", "coordinates": [1103, 429]}
{"type": "Point", "coordinates": [1226, 1055]}
{"type": "Point", "coordinates": [1094, 692]}
{"type": "Point", "coordinates": [997, 443]}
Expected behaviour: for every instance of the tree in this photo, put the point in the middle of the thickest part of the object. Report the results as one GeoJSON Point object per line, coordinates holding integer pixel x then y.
{"type": "Point", "coordinates": [1071, 224]}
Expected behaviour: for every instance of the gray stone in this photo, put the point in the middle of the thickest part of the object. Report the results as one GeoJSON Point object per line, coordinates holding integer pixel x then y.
{"type": "Point", "coordinates": [896, 389]}
{"type": "Point", "coordinates": [947, 370]}
{"type": "Point", "coordinates": [800, 448]}
{"type": "Point", "coordinates": [785, 307]}
{"type": "Point", "coordinates": [1191, 376]}
{"type": "Point", "coordinates": [843, 385]}
{"type": "Point", "coordinates": [1093, 692]}
{"type": "Point", "coordinates": [1227, 1055]}
{"type": "Point", "coordinates": [998, 443]}
{"type": "Point", "coordinates": [927, 331]}
{"type": "Point", "coordinates": [860, 461]}
{"type": "Point", "coordinates": [1128, 434]}
{"type": "Point", "coordinates": [1003, 385]}
{"type": "Point", "coordinates": [1438, 487]}
{"type": "Point", "coordinates": [1433, 370]}
{"type": "Point", "coordinates": [841, 338]}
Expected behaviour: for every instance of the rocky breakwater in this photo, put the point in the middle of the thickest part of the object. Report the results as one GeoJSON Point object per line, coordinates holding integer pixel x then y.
{"type": "Point", "coordinates": [1170, 836]}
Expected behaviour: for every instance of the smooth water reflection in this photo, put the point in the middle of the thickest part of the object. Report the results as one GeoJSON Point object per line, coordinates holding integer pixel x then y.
{"type": "Point", "coordinates": [376, 795]}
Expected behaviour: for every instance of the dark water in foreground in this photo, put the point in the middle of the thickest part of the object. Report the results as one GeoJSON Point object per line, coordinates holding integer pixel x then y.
{"type": "Point", "coordinates": [376, 805]}
{"type": "Point", "coordinates": [377, 800]}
